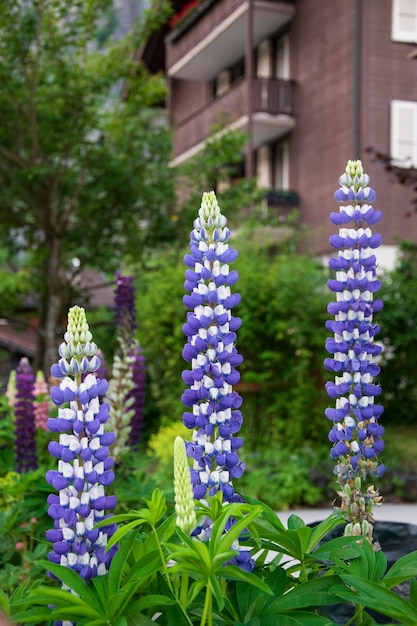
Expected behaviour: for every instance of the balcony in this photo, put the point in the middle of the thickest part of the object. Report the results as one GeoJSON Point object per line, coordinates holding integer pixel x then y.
{"type": "Point", "coordinates": [214, 35]}
{"type": "Point", "coordinates": [269, 100]}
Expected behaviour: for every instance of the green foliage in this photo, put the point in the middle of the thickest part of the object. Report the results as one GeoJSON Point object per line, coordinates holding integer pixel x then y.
{"type": "Point", "coordinates": [160, 316]}
{"type": "Point", "coordinates": [398, 321]}
{"type": "Point", "coordinates": [218, 167]}
{"type": "Point", "coordinates": [162, 575]}
{"type": "Point", "coordinates": [282, 338]}
{"type": "Point", "coordinates": [282, 478]}
{"type": "Point", "coordinates": [83, 166]}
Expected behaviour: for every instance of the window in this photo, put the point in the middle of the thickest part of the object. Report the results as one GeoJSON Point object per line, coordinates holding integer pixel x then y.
{"type": "Point", "coordinates": [403, 144]}
{"type": "Point", "coordinates": [404, 21]}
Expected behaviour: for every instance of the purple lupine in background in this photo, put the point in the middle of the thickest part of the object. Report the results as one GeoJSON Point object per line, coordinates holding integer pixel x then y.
{"type": "Point", "coordinates": [214, 417]}
{"type": "Point", "coordinates": [125, 316]}
{"type": "Point", "coordinates": [124, 306]}
{"type": "Point", "coordinates": [137, 393]}
{"type": "Point", "coordinates": [356, 434]}
{"type": "Point", "coordinates": [24, 432]}
{"type": "Point", "coordinates": [84, 463]}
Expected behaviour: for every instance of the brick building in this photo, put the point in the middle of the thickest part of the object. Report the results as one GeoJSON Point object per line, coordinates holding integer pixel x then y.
{"type": "Point", "coordinates": [313, 83]}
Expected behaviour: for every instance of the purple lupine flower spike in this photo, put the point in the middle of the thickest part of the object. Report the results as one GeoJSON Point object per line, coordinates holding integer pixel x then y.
{"type": "Point", "coordinates": [137, 393]}
{"type": "Point", "coordinates": [213, 414]}
{"type": "Point", "coordinates": [84, 463]}
{"type": "Point", "coordinates": [356, 434]}
{"type": "Point", "coordinates": [125, 316]}
{"type": "Point", "coordinates": [124, 306]}
{"type": "Point", "coordinates": [25, 435]}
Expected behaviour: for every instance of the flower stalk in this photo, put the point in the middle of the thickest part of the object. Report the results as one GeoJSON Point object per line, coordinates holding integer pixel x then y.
{"type": "Point", "coordinates": [25, 435]}
{"type": "Point", "coordinates": [356, 434]}
{"type": "Point", "coordinates": [84, 463]}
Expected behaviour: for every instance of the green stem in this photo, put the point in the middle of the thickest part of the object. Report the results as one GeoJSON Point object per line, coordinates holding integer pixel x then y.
{"type": "Point", "coordinates": [184, 590]}
{"type": "Point", "coordinates": [207, 616]}
{"type": "Point", "coordinates": [164, 565]}
{"type": "Point", "coordinates": [358, 614]}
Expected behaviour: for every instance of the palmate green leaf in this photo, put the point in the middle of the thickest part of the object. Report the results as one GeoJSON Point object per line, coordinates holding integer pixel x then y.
{"type": "Point", "coordinates": [298, 618]}
{"type": "Point", "coordinates": [157, 506]}
{"type": "Point", "coordinates": [403, 569]}
{"type": "Point", "coordinates": [145, 567]}
{"type": "Point", "coordinates": [413, 592]}
{"type": "Point", "coordinates": [233, 572]}
{"type": "Point", "coordinates": [314, 593]}
{"type": "Point", "coordinates": [123, 530]}
{"type": "Point", "coordinates": [38, 615]}
{"type": "Point", "coordinates": [339, 548]}
{"type": "Point", "coordinates": [295, 522]}
{"type": "Point", "coordinates": [216, 590]}
{"type": "Point", "coordinates": [137, 620]}
{"type": "Point", "coordinates": [321, 530]}
{"type": "Point", "coordinates": [224, 541]}
{"type": "Point", "coordinates": [149, 601]}
{"type": "Point", "coordinates": [72, 580]}
{"type": "Point", "coordinates": [118, 563]}
{"type": "Point", "coordinates": [376, 597]}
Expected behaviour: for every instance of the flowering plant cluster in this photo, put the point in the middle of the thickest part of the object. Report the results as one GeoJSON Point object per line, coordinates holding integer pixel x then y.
{"type": "Point", "coordinates": [188, 567]}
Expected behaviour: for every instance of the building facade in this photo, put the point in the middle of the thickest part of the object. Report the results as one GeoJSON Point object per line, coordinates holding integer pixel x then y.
{"type": "Point", "coordinates": [313, 84]}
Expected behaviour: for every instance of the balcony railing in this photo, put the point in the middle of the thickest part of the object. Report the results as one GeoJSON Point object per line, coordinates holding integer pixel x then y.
{"type": "Point", "coordinates": [225, 22]}
{"type": "Point", "coordinates": [267, 95]}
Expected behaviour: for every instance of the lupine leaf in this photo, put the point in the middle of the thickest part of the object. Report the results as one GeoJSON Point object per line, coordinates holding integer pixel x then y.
{"type": "Point", "coordinates": [298, 618]}
{"type": "Point", "coordinates": [145, 567]}
{"type": "Point", "coordinates": [72, 580]}
{"type": "Point", "coordinates": [376, 597]}
{"type": "Point", "coordinates": [413, 592]}
{"type": "Point", "coordinates": [233, 572]}
{"type": "Point", "coordinates": [123, 530]}
{"type": "Point", "coordinates": [321, 530]}
{"type": "Point", "coordinates": [157, 506]}
{"type": "Point", "coordinates": [36, 615]}
{"type": "Point", "coordinates": [403, 569]}
{"type": "Point", "coordinates": [119, 563]}
{"type": "Point", "coordinates": [149, 601]}
{"type": "Point", "coordinates": [312, 593]}
{"type": "Point", "coordinates": [295, 522]}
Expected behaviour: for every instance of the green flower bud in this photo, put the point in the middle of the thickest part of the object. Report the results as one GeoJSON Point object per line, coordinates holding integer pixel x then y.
{"type": "Point", "coordinates": [184, 501]}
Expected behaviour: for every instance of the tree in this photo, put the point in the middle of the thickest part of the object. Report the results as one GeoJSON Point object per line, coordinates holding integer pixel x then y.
{"type": "Point", "coordinates": [83, 150]}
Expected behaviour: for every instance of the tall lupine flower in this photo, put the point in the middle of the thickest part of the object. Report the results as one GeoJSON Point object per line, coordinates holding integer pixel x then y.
{"type": "Point", "coordinates": [356, 434]}
{"type": "Point", "coordinates": [125, 316]}
{"type": "Point", "coordinates": [41, 401]}
{"type": "Point", "coordinates": [25, 439]}
{"type": "Point", "coordinates": [84, 463]}
{"type": "Point", "coordinates": [214, 417]}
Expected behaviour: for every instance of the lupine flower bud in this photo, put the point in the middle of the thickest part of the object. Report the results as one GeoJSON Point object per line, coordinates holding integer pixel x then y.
{"type": "Point", "coordinates": [356, 434]}
{"type": "Point", "coordinates": [121, 412]}
{"type": "Point", "coordinates": [84, 463]}
{"type": "Point", "coordinates": [25, 439]}
{"type": "Point", "coordinates": [184, 502]}
{"type": "Point", "coordinates": [41, 401]}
